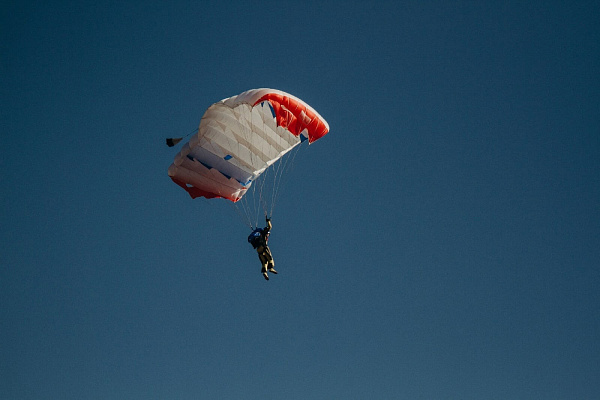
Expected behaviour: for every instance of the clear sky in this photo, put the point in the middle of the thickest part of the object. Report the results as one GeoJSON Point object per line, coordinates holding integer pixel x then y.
{"type": "Point", "coordinates": [441, 242]}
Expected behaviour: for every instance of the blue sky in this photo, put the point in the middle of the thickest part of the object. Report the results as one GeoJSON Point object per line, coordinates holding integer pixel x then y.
{"type": "Point", "coordinates": [443, 241]}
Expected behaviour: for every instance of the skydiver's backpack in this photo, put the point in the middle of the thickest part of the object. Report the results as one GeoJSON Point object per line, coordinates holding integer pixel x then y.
{"type": "Point", "coordinates": [255, 237]}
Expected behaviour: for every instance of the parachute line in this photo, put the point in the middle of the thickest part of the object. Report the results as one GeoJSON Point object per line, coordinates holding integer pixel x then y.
{"type": "Point", "coordinates": [288, 165]}
{"type": "Point", "coordinates": [173, 141]}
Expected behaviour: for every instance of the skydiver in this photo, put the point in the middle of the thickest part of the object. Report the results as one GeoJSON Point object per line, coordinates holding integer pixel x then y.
{"type": "Point", "coordinates": [259, 239]}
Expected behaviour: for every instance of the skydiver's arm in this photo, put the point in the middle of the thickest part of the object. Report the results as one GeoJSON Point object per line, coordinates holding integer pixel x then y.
{"type": "Point", "coordinates": [269, 225]}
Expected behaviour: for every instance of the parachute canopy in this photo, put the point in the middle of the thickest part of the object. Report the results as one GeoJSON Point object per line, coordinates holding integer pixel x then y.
{"type": "Point", "coordinates": [239, 138]}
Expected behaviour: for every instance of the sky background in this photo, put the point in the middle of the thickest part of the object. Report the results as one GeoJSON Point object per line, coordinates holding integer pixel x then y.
{"type": "Point", "coordinates": [441, 242]}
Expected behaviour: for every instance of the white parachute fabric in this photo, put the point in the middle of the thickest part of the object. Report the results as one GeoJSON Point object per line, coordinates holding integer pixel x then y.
{"type": "Point", "coordinates": [239, 138]}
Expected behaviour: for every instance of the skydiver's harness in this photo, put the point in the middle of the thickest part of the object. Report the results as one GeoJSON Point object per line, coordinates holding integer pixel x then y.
{"type": "Point", "coordinates": [257, 238]}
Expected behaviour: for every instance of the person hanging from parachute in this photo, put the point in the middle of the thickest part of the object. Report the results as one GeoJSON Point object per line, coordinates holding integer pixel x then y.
{"type": "Point", "coordinates": [241, 140]}
{"type": "Point", "coordinates": [259, 239]}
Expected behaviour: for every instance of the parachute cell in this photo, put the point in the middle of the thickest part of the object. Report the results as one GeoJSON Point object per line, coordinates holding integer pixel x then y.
{"type": "Point", "coordinates": [239, 138]}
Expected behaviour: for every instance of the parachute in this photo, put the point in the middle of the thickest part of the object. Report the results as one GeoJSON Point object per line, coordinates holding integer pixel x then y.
{"type": "Point", "coordinates": [240, 138]}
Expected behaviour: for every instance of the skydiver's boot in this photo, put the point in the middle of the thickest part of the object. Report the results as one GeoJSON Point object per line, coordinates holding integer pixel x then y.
{"type": "Point", "coordinates": [266, 276]}
{"type": "Point", "coordinates": [272, 270]}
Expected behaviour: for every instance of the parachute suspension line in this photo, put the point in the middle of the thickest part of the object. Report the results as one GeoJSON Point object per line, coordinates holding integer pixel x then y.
{"type": "Point", "coordinates": [276, 169]}
{"type": "Point", "coordinates": [252, 208]}
{"type": "Point", "coordinates": [262, 200]}
{"type": "Point", "coordinates": [279, 173]}
{"type": "Point", "coordinates": [192, 132]}
{"type": "Point", "coordinates": [243, 206]}
{"type": "Point", "coordinates": [173, 141]}
{"type": "Point", "coordinates": [281, 169]}
{"type": "Point", "coordinates": [253, 211]}
{"type": "Point", "coordinates": [253, 200]}
{"type": "Point", "coordinates": [244, 209]}
{"type": "Point", "coordinates": [243, 217]}
{"type": "Point", "coordinates": [276, 176]}
{"type": "Point", "coordinates": [286, 165]}
{"type": "Point", "coordinates": [247, 208]}
{"type": "Point", "coordinates": [264, 191]}
{"type": "Point", "coordinates": [253, 187]}
{"type": "Point", "coordinates": [263, 178]}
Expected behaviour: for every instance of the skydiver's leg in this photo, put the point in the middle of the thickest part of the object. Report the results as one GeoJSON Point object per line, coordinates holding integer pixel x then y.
{"type": "Point", "coordinates": [263, 262]}
{"type": "Point", "coordinates": [270, 261]}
